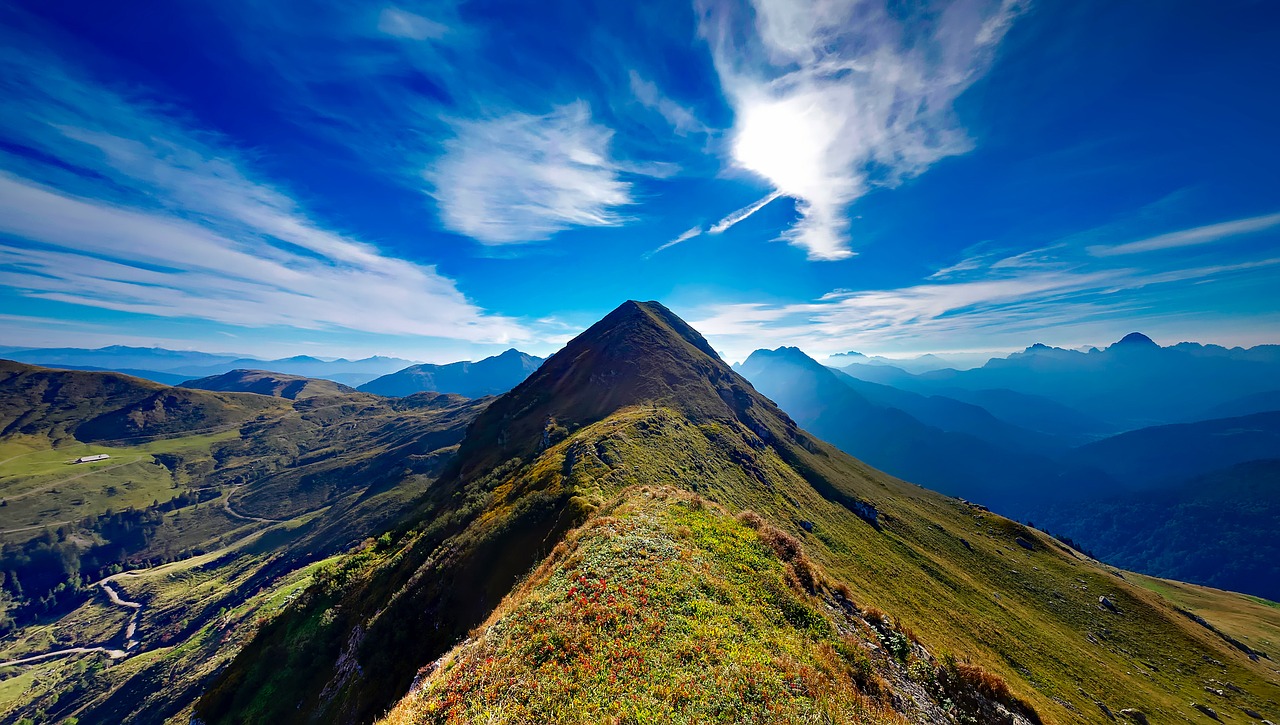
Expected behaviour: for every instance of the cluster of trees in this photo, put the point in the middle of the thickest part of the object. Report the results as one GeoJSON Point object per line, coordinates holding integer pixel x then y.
{"type": "Point", "coordinates": [48, 573]}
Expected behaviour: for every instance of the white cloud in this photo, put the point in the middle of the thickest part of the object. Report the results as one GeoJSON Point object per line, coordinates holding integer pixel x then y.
{"type": "Point", "coordinates": [833, 97]}
{"type": "Point", "coordinates": [151, 217]}
{"type": "Point", "coordinates": [680, 239]}
{"type": "Point", "coordinates": [522, 177]}
{"type": "Point", "coordinates": [1190, 237]}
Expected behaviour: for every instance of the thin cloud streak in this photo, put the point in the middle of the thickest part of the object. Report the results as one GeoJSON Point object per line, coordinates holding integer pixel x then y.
{"type": "Point", "coordinates": [721, 226]}
{"type": "Point", "coordinates": [741, 215]}
{"type": "Point", "coordinates": [683, 237]}
{"type": "Point", "coordinates": [1190, 237]}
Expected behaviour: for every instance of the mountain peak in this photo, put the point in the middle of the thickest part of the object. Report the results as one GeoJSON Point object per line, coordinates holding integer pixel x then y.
{"type": "Point", "coordinates": [640, 353]}
{"type": "Point", "coordinates": [1136, 340]}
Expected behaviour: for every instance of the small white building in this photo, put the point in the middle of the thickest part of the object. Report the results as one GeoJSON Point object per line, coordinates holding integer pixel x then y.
{"type": "Point", "coordinates": [90, 459]}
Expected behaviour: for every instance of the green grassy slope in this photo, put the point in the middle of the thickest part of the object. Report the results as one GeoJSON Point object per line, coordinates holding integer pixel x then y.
{"type": "Point", "coordinates": [71, 405]}
{"type": "Point", "coordinates": [640, 400]}
{"type": "Point", "coordinates": [264, 382]}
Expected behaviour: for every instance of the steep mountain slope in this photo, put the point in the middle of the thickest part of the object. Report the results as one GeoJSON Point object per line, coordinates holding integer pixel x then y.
{"type": "Point", "coordinates": [90, 406]}
{"type": "Point", "coordinates": [490, 376]}
{"type": "Point", "coordinates": [1216, 529]}
{"type": "Point", "coordinates": [263, 382]}
{"type": "Point", "coordinates": [640, 400]}
{"type": "Point", "coordinates": [1004, 476]}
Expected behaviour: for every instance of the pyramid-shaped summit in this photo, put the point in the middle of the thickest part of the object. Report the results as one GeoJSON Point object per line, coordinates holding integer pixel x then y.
{"type": "Point", "coordinates": [639, 354]}
{"type": "Point", "coordinates": [1136, 340]}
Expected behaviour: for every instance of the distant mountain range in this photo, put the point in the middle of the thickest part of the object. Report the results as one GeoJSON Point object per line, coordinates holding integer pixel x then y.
{"type": "Point", "coordinates": [490, 376]}
{"type": "Point", "coordinates": [1130, 384]}
{"type": "Point", "coordinates": [174, 366]}
{"type": "Point", "coordinates": [918, 364]}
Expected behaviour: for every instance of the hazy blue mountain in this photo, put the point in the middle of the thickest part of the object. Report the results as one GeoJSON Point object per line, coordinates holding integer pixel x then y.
{"type": "Point", "coordinates": [953, 415]}
{"type": "Point", "coordinates": [175, 366]}
{"type": "Point", "coordinates": [153, 375]}
{"type": "Point", "coordinates": [1246, 405]}
{"type": "Point", "coordinates": [1133, 383]}
{"type": "Point", "coordinates": [889, 438]}
{"type": "Point", "coordinates": [1036, 412]}
{"type": "Point", "coordinates": [1161, 455]}
{"type": "Point", "coordinates": [918, 364]}
{"type": "Point", "coordinates": [490, 376]}
{"type": "Point", "coordinates": [118, 357]}
{"type": "Point", "coordinates": [347, 372]}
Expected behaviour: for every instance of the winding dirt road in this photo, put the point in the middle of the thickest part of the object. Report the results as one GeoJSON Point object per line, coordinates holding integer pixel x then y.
{"type": "Point", "coordinates": [130, 632]}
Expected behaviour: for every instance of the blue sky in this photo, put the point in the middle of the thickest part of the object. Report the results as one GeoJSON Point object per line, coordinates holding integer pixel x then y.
{"type": "Point", "coordinates": [447, 179]}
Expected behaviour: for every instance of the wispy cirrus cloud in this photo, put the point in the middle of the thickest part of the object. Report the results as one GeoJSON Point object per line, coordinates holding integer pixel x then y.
{"type": "Point", "coordinates": [834, 97]}
{"type": "Point", "coordinates": [113, 201]}
{"type": "Point", "coordinates": [522, 177]}
{"type": "Point", "coordinates": [1206, 234]}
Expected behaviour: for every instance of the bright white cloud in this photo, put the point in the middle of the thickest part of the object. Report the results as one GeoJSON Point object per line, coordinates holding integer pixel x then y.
{"type": "Point", "coordinates": [833, 97]}
{"type": "Point", "coordinates": [523, 177]}
{"type": "Point", "coordinates": [1190, 237]}
{"type": "Point", "coordinates": [160, 220]}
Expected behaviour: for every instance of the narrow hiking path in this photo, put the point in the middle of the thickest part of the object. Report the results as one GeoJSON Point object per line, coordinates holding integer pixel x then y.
{"type": "Point", "coordinates": [130, 631]}
{"type": "Point", "coordinates": [226, 503]}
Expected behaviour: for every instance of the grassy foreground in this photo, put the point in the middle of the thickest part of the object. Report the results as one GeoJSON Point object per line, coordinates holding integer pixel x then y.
{"type": "Point", "coordinates": [664, 608]}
